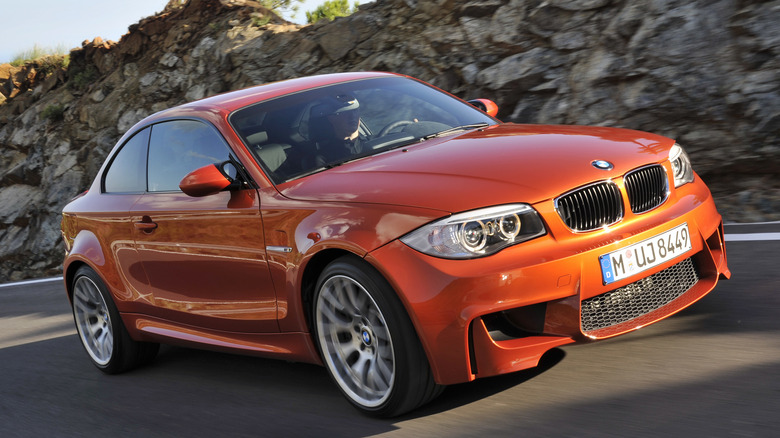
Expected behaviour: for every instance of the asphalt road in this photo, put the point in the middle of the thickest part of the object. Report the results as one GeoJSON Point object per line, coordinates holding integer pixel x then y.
{"type": "Point", "coordinates": [712, 370]}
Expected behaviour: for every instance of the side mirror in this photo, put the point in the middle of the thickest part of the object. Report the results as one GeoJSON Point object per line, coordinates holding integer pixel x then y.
{"type": "Point", "coordinates": [204, 181]}
{"type": "Point", "coordinates": [485, 105]}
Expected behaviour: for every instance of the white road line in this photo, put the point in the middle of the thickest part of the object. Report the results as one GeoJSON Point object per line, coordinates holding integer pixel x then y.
{"type": "Point", "coordinates": [40, 280]}
{"type": "Point", "coordinates": [752, 237]}
{"type": "Point", "coordinates": [731, 224]}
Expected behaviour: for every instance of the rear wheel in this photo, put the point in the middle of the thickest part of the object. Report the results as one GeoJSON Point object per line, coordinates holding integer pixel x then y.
{"type": "Point", "coordinates": [100, 327]}
{"type": "Point", "coordinates": [367, 341]}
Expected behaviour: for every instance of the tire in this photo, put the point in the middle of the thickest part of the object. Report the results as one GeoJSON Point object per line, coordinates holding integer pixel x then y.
{"type": "Point", "coordinates": [367, 341]}
{"type": "Point", "coordinates": [100, 327]}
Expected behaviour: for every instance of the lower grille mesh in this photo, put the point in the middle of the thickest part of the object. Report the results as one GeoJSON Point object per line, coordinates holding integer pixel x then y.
{"type": "Point", "coordinates": [638, 298]}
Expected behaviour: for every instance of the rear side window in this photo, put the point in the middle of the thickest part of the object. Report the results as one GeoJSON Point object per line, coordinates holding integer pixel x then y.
{"type": "Point", "coordinates": [127, 172]}
{"type": "Point", "coordinates": [178, 147]}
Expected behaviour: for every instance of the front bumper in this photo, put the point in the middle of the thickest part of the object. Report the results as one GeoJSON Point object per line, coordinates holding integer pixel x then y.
{"type": "Point", "coordinates": [498, 314]}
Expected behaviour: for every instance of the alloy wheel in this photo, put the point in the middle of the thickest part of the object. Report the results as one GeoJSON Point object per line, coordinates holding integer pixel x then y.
{"type": "Point", "coordinates": [356, 342]}
{"type": "Point", "coordinates": [93, 320]}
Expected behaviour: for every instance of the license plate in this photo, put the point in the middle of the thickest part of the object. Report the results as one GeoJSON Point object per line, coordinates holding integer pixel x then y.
{"type": "Point", "coordinates": [644, 255]}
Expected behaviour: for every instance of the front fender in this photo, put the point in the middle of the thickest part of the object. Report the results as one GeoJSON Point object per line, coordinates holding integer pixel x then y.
{"type": "Point", "coordinates": [296, 232]}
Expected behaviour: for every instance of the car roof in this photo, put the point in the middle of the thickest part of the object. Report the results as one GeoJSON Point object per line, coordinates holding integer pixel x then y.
{"type": "Point", "coordinates": [226, 103]}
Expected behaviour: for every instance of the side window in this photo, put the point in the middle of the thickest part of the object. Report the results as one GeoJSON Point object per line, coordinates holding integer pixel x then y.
{"type": "Point", "coordinates": [177, 148]}
{"type": "Point", "coordinates": [127, 172]}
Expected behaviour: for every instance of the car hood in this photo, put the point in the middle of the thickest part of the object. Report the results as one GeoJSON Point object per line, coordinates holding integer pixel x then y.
{"type": "Point", "coordinates": [501, 164]}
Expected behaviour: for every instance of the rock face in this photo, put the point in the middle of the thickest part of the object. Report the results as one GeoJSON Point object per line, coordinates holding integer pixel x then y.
{"type": "Point", "coordinates": [704, 72]}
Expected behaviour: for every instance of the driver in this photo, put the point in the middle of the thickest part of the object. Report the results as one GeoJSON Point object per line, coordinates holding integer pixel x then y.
{"type": "Point", "coordinates": [340, 137]}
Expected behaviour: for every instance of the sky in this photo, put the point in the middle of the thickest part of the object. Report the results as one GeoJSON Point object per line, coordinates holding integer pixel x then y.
{"type": "Point", "coordinates": [55, 23]}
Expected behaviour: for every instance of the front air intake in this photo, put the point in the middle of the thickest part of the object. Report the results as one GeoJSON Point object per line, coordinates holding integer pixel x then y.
{"type": "Point", "coordinates": [647, 188]}
{"type": "Point", "coordinates": [638, 298]}
{"type": "Point", "coordinates": [591, 207]}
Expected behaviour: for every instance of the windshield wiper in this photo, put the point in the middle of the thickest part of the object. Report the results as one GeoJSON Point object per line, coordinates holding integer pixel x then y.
{"type": "Point", "coordinates": [319, 169]}
{"type": "Point", "coordinates": [346, 160]}
{"type": "Point", "coordinates": [337, 163]}
{"type": "Point", "coordinates": [455, 129]}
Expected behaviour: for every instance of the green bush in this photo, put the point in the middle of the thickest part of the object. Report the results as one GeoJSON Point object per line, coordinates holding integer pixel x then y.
{"type": "Point", "coordinates": [54, 112]}
{"type": "Point", "coordinates": [51, 63]}
{"type": "Point", "coordinates": [260, 21]}
{"type": "Point", "coordinates": [81, 79]}
{"type": "Point", "coordinates": [330, 10]}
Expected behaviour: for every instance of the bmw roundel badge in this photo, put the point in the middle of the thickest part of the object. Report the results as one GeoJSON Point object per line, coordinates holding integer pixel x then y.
{"type": "Point", "coordinates": [366, 337]}
{"type": "Point", "coordinates": [602, 164]}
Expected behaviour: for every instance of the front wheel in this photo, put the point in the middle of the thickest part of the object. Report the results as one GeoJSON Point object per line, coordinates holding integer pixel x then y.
{"type": "Point", "coordinates": [100, 327]}
{"type": "Point", "coordinates": [367, 341]}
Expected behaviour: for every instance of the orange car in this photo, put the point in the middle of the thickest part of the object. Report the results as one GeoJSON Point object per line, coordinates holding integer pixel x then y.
{"type": "Point", "coordinates": [374, 224]}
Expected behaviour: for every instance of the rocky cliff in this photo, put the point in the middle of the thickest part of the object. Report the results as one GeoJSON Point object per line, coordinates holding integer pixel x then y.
{"type": "Point", "coordinates": [704, 72]}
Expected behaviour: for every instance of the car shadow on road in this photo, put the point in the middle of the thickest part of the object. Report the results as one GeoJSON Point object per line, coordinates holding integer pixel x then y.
{"type": "Point", "coordinates": [455, 396]}
{"type": "Point", "coordinates": [312, 380]}
{"type": "Point", "coordinates": [303, 393]}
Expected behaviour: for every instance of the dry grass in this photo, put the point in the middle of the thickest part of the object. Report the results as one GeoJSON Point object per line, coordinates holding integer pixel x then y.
{"type": "Point", "coordinates": [38, 52]}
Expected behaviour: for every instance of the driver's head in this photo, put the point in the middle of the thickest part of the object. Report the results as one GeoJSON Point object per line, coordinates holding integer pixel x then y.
{"type": "Point", "coordinates": [343, 115]}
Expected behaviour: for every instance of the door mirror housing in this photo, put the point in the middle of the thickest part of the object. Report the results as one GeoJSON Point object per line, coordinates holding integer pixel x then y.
{"type": "Point", "coordinates": [485, 105]}
{"type": "Point", "coordinates": [205, 181]}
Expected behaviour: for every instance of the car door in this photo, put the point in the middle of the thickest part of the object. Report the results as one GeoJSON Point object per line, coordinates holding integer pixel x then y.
{"type": "Point", "coordinates": [122, 185]}
{"type": "Point", "coordinates": [204, 257]}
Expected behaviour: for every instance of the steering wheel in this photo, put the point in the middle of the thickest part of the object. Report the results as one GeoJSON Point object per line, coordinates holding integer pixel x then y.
{"type": "Point", "coordinates": [392, 126]}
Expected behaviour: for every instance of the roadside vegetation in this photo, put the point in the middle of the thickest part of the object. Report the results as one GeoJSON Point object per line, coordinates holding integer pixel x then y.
{"type": "Point", "coordinates": [38, 52]}
{"type": "Point", "coordinates": [54, 112]}
{"type": "Point", "coordinates": [82, 78]}
{"type": "Point", "coordinates": [282, 7]}
{"type": "Point", "coordinates": [330, 10]}
{"type": "Point", "coordinates": [58, 56]}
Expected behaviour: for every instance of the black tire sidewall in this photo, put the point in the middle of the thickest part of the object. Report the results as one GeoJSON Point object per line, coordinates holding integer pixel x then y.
{"type": "Point", "coordinates": [123, 345]}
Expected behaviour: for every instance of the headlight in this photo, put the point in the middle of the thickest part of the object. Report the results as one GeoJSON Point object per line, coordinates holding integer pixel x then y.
{"type": "Point", "coordinates": [681, 165]}
{"type": "Point", "coordinates": [477, 233]}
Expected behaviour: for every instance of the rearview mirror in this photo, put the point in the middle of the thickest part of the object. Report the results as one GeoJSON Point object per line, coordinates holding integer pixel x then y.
{"type": "Point", "coordinates": [204, 181]}
{"type": "Point", "coordinates": [485, 105]}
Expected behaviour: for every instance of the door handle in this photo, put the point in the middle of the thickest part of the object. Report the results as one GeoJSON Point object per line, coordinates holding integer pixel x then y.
{"type": "Point", "coordinates": [146, 225]}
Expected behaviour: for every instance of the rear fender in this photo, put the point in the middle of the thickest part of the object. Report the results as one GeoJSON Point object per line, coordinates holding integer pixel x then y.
{"type": "Point", "coordinates": [87, 250]}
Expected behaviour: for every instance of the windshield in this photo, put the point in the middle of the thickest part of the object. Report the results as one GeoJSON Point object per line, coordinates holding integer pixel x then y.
{"type": "Point", "coordinates": [313, 130]}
